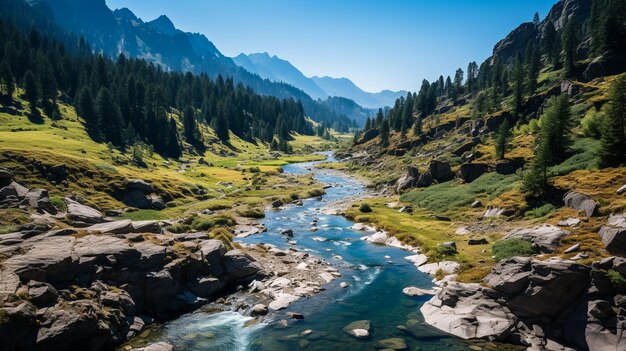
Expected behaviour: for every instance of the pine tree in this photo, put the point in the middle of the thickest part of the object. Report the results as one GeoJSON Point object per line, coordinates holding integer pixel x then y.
{"type": "Point", "coordinates": [173, 144]}
{"type": "Point", "coordinates": [108, 116]}
{"type": "Point", "coordinates": [31, 87]}
{"type": "Point", "coordinates": [534, 66]}
{"type": "Point", "coordinates": [613, 140]}
{"type": "Point", "coordinates": [519, 87]}
{"type": "Point", "coordinates": [569, 41]}
{"type": "Point", "coordinates": [553, 144]}
{"type": "Point", "coordinates": [7, 82]}
{"type": "Point", "coordinates": [417, 126]}
{"type": "Point", "coordinates": [190, 127]}
{"type": "Point", "coordinates": [549, 42]}
{"type": "Point", "coordinates": [220, 124]}
{"type": "Point", "coordinates": [384, 133]}
{"type": "Point", "coordinates": [504, 132]}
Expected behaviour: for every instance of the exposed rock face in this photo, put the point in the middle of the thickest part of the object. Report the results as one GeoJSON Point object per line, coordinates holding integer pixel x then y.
{"type": "Point", "coordinates": [614, 234]}
{"type": "Point", "coordinates": [408, 180]}
{"type": "Point", "coordinates": [469, 312]}
{"type": "Point", "coordinates": [82, 213]}
{"type": "Point", "coordinates": [140, 194]}
{"type": "Point", "coordinates": [440, 171]}
{"type": "Point", "coordinates": [471, 171]}
{"type": "Point", "coordinates": [580, 202]}
{"type": "Point", "coordinates": [506, 167]}
{"type": "Point", "coordinates": [91, 289]}
{"type": "Point", "coordinates": [546, 238]}
{"type": "Point", "coordinates": [534, 303]}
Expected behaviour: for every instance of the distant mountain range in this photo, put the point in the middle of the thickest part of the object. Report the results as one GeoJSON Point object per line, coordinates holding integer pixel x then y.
{"type": "Point", "coordinates": [121, 32]}
{"type": "Point", "coordinates": [279, 70]}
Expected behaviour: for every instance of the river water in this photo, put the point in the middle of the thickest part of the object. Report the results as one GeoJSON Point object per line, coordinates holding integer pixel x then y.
{"type": "Point", "coordinates": [376, 276]}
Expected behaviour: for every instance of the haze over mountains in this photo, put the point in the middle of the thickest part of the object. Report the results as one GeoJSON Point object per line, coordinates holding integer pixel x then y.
{"type": "Point", "coordinates": [113, 32]}
{"type": "Point", "coordinates": [279, 70]}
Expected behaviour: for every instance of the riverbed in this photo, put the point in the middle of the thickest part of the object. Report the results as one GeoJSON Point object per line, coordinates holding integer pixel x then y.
{"type": "Point", "coordinates": [375, 276]}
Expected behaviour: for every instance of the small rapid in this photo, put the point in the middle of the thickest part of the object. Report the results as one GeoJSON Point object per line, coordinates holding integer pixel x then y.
{"type": "Point", "coordinates": [375, 276]}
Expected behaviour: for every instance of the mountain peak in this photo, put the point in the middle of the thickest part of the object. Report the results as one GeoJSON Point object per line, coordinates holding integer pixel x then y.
{"type": "Point", "coordinates": [125, 14]}
{"type": "Point", "coordinates": [164, 25]}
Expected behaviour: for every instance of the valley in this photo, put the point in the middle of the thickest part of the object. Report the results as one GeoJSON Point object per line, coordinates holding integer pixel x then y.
{"type": "Point", "coordinates": [157, 195]}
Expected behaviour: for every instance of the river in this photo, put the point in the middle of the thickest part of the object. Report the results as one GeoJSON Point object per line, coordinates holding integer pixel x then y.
{"type": "Point", "coordinates": [376, 276]}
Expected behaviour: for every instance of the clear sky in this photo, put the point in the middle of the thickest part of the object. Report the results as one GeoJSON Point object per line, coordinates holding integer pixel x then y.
{"type": "Point", "coordinates": [378, 44]}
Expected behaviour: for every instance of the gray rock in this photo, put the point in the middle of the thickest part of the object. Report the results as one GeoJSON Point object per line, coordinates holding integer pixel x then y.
{"type": "Point", "coordinates": [259, 310]}
{"type": "Point", "coordinates": [572, 248]}
{"type": "Point", "coordinates": [206, 286]}
{"type": "Point", "coordinates": [468, 312]}
{"type": "Point", "coordinates": [75, 323]}
{"type": "Point", "coordinates": [425, 180]}
{"type": "Point", "coordinates": [147, 227]}
{"type": "Point", "coordinates": [358, 329]}
{"type": "Point", "coordinates": [138, 199]}
{"type": "Point", "coordinates": [546, 237]}
{"type": "Point", "coordinates": [392, 344]}
{"type": "Point", "coordinates": [123, 226]}
{"type": "Point", "coordinates": [614, 234]}
{"type": "Point", "coordinates": [82, 213]}
{"type": "Point", "coordinates": [41, 294]}
{"type": "Point", "coordinates": [139, 185]}
{"type": "Point", "coordinates": [621, 190]}
{"type": "Point", "coordinates": [239, 265]}
{"type": "Point", "coordinates": [570, 222]}
{"type": "Point", "coordinates": [440, 171]}
{"type": "Point", "coordinates": [481, 241]}
{"type": "Point", "coordinates": [38, 199]}
{"type": "Point", "coordinates": [476, 204]}
{"type": "Point", "coordinates": [277, 203]}
{"type": "Point", "coordinates": [156, 202]}
{"type": "Point", "coordinates": [408, 180]}
{"type": "Point", "coordinates": [510, 276]}
{"type": "Point", "coordinates": [159, 346]}
{"type": "Point", "coordinates": [580, 202]}
{"type": "Point", "coordinates": [15, 189]}
{"type": "Point", "coordinates": [471, 171]}
{"type": "Point", "coordinates": [5, 174]}
{"type": "Point", "coordinates": [507, 167]}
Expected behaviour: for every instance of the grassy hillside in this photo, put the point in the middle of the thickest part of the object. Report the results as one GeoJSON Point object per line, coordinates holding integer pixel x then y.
{"type": "Point", "coordinates": [241, 176]}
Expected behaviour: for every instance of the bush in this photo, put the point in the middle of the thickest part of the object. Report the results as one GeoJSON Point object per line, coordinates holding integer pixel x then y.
{"type": "Point", "coordinates": [591, 124]}
{"type": "Point", "coordinates": [316, 192]}
{"type": "Point", "coordinates": [365, 208]}
{"type": "Point", "coordinates": [59, 203]}
{"type": "Point", "coordinates": [252, 213]}
{"type": "Point", "coordinates": [508, 248]}
{"type": "Point", "coordinates": [202, 223]}
{"type": "Point", "coordinates": [254, 170]}
{"type": "Point", "coordinates": [445, 250]}
{"type": "Point", "coordinates": [224, 235]}
{"type": "Point", "coordinates": [539, 211]}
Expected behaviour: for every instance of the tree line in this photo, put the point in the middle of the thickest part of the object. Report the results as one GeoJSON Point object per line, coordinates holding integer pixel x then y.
{"type": "Point", "coordinates": [129, 100]}
{"type": "Point", "coordinates": [505, 85]}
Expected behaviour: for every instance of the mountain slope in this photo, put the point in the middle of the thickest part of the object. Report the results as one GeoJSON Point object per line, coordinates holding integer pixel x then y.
{"type": "Point", "coordinates": [115, 32]}
{"type": "Point", "coordinates": [346, 88]}
{"type": "Point", "coordinates": [279, 70]}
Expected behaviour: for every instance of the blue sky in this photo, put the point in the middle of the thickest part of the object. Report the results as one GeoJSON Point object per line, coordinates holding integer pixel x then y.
{"type": "Point", "coordinates": [378, 44]}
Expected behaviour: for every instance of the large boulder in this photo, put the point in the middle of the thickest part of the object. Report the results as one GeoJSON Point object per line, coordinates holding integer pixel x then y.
{"type": "Point", "coordinates": [82, 213]}
{"type": "Point", "coordinates": [239, 265]}
{"type": "Point", "coordinates": [39, 200]}
{"type": "Point", "coordinates": [440, 171]}
{"type": "Point", "coordinates": [506, 167]}
{"type": "Point", "coordinates": [123, 226]}
{"type": "Point", "coordinates": [580, 202]}
{"type": "Point", "coordinates": [471, 171]}
{"type": "Point", "coordinates": [510, 276]}
{"type": "Point", "coordinates": [139, 185]}
{"type": "Point", "coordinates": [546, 238]}
{"type": "Point", "coordinates": [468, 311]}
{"type": "Point", "coordinates": [552, 286]}
{"type": "Point", "coordinates": [408, 180]}
{"type": "Point", "coordinates": [614, 234]}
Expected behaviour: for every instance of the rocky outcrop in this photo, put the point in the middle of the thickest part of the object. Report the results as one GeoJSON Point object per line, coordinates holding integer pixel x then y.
{"type": "Point", "coordinates": [539, 304]}
{"type": "Point", "coordinates": [580, 202]}
{"type": "Point", "coordinates": [506, 167]}
{"type": "Point", "coordinates": [469, 311]}
{"type": "Point", "coordinates": [545, 238]}
{"type": "Point", "coordinates": [81, 215]}
{"type": "Point", "coordinates": [90, 289]}
{"type": "Point", "coordinates": [140, 194]}
{"type": "Point", "coordinates": [440, 171]}
{"type": "Point", "coordinates": [471, 171]}
{"type": "Point", "coordinates": [408, 180]}
{"type": "Point", "coordinates": [614, 234]}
